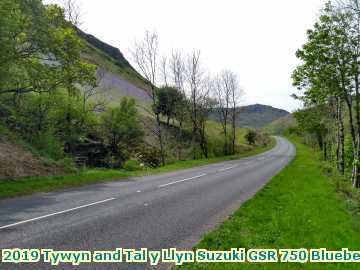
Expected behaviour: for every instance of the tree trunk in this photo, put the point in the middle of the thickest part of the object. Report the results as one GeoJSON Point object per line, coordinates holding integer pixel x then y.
{"type": "Point", "coordinates": [194, 120]}
{"type": "Point", "coordinates": [160, 137]}
{"type": "Point", "coordinates": [225, 140]}
{"type": "Point", "coordinates": [320, 141]}
{"type": "Point", "coordinates": [179, 139]}
{"type": "Point", "coordinates": [341, 138]}
{"type": "Point", "coordinates": [203, 142]}
{"type": "Point", "coordinates": [355, 165]}
{"type": "Point", "coordinates": [158, 126]}
{"type": "Point", "coordinates": [234, 132]}
{"type": "Point", "coordinates": [356, 178]}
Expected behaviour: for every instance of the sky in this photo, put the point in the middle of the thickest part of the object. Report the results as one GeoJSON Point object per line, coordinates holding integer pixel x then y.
{"type": "Point", "coordinates": [255, 39]}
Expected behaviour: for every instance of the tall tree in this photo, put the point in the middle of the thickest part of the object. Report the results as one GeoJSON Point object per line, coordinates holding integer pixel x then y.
{"type": "Point", "coordinates": [178, 76]}
{"type": "Point", "coordinates": [228, 93]}
{"type": "Point", "coordinates": [330, 70]}
{"type": "Point", "coordinates": [195, 80]}
{"type": "Point", "coordinates": [145, 56]}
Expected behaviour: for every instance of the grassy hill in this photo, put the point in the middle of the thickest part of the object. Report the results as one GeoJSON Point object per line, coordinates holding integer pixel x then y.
{"type": "Point", "coordinates": [118, 77]}
{"type": "Point", "coordinates": [255, 116]}
{"type": "Point", "coordinates": [121, 79]}
{"type": "Point", "coordinates": [280, 125]}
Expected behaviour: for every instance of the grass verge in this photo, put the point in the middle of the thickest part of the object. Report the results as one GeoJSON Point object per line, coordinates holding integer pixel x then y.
{"type": "Point", "coordinates": [29, 185]}
{"type": "Point", "coordinates": [299, 208]}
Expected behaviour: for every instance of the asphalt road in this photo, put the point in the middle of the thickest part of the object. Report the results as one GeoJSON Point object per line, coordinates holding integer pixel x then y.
{"type": "Point", "coordinates": [159, 211]}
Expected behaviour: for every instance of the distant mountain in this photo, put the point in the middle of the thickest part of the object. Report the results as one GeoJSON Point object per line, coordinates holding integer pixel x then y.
{"type": "Point", "coordinates": [255, 116]}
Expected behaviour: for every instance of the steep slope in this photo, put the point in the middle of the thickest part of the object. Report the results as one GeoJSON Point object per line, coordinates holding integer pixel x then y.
{"type": "Point", "coordinates": [111, 51]}
{"type": "Point", "coordinates": [18, 161]}
{"type": "Point", "coordinates": [255, 116]}
{"type": "Point", "coordinates": [118, 77]}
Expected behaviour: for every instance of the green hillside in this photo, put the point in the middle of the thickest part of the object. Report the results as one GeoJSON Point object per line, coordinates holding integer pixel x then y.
{"type": "Point", "coordinates": [73, 101]}
{"type": "Point", "coordinates": [255, 116]}
{"type": "Point", "coordinates": [280, 125]}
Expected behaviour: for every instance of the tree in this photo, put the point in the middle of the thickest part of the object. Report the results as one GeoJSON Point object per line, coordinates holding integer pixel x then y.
{"type": "Point", "coordinates": [236, 94]}
{"type": "Point", "coordinates": [227, 93]}
{"type": "Point", "coordinates": [168, 100]}
{"type": "Point", "coordinates": [145, 56]}
{"type": "Point", "coordinates": [121, 126]}
{"type": "Point", "coordinates": [223, 94]}
{"type": "Point", "coordinates": [251, 137]}
{"type": "Point", "coordinates": [42, 57]}
{"type": "Point", "coordinates": [331, 71]}
{"type": "Point", "coordinates": [178, 76]}
{"type": "Point", "coordinates": [72, 12]}
{"type": "Point", "coordinates": [205, 104]}
{"type": "Point", "coordinates": [315, 121]}
{"type": "Point", "coordinates": [195, 80]}
{"type": "Point", "coordinates": [42, 50]}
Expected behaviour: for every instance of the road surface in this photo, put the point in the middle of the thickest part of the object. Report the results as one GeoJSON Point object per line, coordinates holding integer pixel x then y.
{"type": "Point", "coordinates": [159, 211]}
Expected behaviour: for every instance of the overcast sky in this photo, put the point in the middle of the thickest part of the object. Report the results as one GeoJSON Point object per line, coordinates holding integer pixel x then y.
{"type": "Point", "coordinates": [255, 39]}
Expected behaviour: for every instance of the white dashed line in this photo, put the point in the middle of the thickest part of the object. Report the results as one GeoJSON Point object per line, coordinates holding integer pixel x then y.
{"type": "Point", "coordinates": [226, 169]}
{"type": "Point", "coordinates": [184, 180]}
{"type": "Point", "coordinates": [56, 213]}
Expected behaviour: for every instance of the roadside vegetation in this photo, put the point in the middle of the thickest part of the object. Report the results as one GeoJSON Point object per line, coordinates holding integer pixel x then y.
{"type": "Point", "coordinates": [28, 185]}
{"type": "Point", "coordinates": [53, 101]}
{"type": "Point", "coordinates": [314, 202]}
{"type": "Point", "coordinates": [292, 211]}
{"type": "Point", "coordinates": [328, 79]}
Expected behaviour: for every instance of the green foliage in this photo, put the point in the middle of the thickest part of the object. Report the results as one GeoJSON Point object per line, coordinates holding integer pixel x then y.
{"type": "Point", "coordinates": [84, 177]}
{"type": "Point", "coordinates": [42, 49]}
{"type": "Point", "coordinates": [133, 165]}
{"type": "Point", "coordinates": [251, 137]}
{"type": "Point", "coordinates": [170, 102]}
{"type": "Point", "coordinates": [281, 125]}
{"type": "Point", "coordinates": [68, 164]}
{"type": "Point", "coordinates": [329, 80]}
{"type": "Point", "coordinates": [43, 71]}
{"type": "Point", "coordinates": [316, 121]}
{"type": "Point", "coordinates": [48, 146]}
{"type": "Point", "coordinates": [348, 151]}
{"type": "Point", "coordinates": [121, 126]}
{"type": "Point", "coordinates": [149, 155]}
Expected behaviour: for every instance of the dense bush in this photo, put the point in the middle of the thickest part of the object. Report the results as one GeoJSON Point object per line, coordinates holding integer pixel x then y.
{"type": "Point", "coordinates": [133, 165]}
{"type": "Point", "coordinates": [48, 145]}
{"type": "Point", "coordinates": [250, 137]}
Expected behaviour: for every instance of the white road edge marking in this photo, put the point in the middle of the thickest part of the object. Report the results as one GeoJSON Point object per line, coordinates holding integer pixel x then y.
{"type": "Point", "coordinates": [56, 213]}
{"type": "Point", "coordinates": [184, 180]}
{"type": "Point", "coordinates": [226, 169]}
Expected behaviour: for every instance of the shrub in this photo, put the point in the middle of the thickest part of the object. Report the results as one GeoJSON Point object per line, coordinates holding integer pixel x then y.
{"type": "Point", "coordinates": [68, 164]}
{"type": "Point", "coordinates": [149, 155]}
{"type": "Point", "coordinates": [250, 137]}
{"type": "Point", "coordinates": [48, 145]}
{"type": "Point", "coordinates": [133, 165]}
